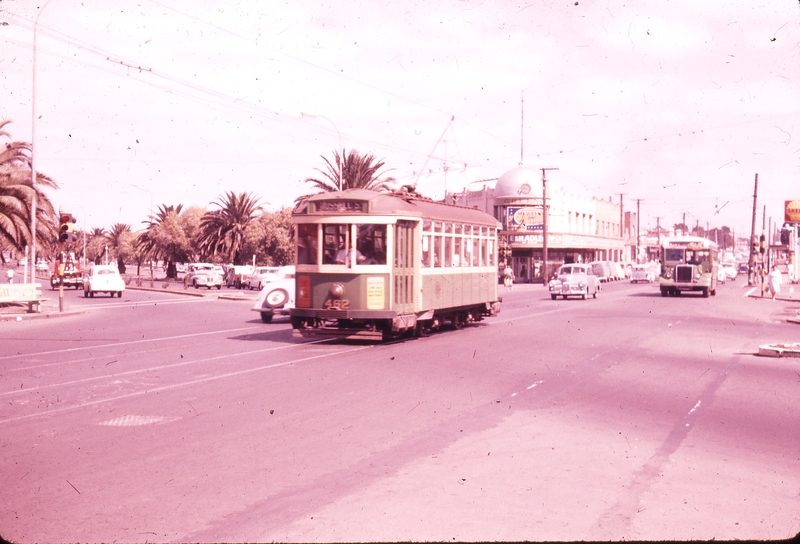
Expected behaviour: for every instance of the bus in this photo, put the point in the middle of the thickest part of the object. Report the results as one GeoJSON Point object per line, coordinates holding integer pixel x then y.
{"type": "Point", "coordinates": [688, 263]}
{"type": "Point", "coordinates": [374, 266]}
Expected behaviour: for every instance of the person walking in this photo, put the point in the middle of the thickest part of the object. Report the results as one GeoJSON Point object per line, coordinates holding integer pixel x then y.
{"type": "Point", "coordinates": [508, 277]}
{"type": "Point", "coordinates": [774, 281]}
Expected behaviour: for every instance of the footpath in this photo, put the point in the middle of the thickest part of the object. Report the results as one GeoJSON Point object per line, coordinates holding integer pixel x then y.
{"type": "Point", "coordinates": [788, 293]}
{"type": "Point", "coordinates": [49, 307]}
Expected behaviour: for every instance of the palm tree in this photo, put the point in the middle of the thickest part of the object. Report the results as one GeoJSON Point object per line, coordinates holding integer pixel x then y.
{"type": "Point", "coordinates": [120, 241]}
{"type": "Point", "coordinates": [222, 231]}
{"type": "Point", "coordinates": [16, 197]}
{"type": "Point", "coordinates": [358, 172]}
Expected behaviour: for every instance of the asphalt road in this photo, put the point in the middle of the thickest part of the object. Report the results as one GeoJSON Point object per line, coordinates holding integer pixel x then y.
{"type": "Point", "coordinates": [162, 417]}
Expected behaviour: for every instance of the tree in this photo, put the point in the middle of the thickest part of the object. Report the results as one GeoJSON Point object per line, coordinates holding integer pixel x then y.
{"type": "Point", "coordinates": [96, 242]}
{"type": "Point", "coordinates": [170, 236]}
{"type": "Point", "coordinates": [358, 172]}
{"type": "Point", "coordinates": [269, 238]}
{"type": "Point", "coordinates": [222, 231]}
{"type": "Point", "coordinates": [16, 198]}
{"type": "Point", "coordinates": [120, 241]}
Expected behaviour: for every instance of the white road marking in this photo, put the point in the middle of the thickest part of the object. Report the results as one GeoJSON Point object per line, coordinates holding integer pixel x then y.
{"type": "Point", "coordinates": [182, 384]}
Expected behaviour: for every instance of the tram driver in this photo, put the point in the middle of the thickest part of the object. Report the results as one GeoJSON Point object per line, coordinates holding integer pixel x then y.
{"type": "Point", "coordinates": [342, 254]}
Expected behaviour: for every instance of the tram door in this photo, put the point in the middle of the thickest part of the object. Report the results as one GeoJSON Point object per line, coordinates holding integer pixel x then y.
{"type": "Point", "coordinates": [403, 273]}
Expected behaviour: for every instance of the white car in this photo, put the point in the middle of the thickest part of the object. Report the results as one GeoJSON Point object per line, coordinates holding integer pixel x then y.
{"type": "Point", "coordinates": [277, 296]}
{"type": "Point", "coordinates": [642, 272]}
{"type": "Point", "coordinates": [730, 271]}
{"type": "Point", "coordinates": [261, 275]}
{"type": "Point", "coordinates": [103, 278]}
{"type": "Point", "coordinates": [203, 275]}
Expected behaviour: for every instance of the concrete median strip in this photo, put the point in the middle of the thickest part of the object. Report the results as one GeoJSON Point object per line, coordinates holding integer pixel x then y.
{"type": "Point", "coordinates": [779, 350]}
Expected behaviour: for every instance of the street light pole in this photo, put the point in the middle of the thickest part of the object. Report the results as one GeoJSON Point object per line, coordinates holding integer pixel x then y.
{"type": "Point", "coordinates": [341, 157]}
{"type": "Point", "coordinates": [544, 225]}
{"type": "Point", "coordinates": [32, 260]}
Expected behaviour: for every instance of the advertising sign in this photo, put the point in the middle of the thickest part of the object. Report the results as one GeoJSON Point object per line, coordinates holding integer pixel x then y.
{"type": "Point", "coordinates": [792, 211]}
{"type": "Point", "coordinates": [525, 218]}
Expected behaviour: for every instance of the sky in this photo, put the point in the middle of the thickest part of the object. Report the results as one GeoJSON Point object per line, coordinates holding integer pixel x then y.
{"type": "Point", "coordinates": [143, 103]}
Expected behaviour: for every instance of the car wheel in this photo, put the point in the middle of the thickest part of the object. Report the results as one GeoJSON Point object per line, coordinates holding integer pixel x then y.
{"type": "Point", "coordinates": [260, 286]}
{"type": "Point", "coordinates": [594, 295]}
{"type": "Point", "coordinates": [564, 297]}
{"type": "Point", "coordinates": [91, 294]}
{"type": "Point", "coordinates": [119, 294]}
{"type": "Point", "coordinates": [85, 294]}
{"type": "Point", "coordinates": [266, 317]}
{"type": "Point", "coordinates": [584, 294]}
{"type": "Point", "coordinates": [553, 297]}
{"type": "Point", "coordinates": [219, 287]}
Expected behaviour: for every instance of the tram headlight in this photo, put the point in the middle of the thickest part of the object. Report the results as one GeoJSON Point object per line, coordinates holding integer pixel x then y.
{"type": "Point", "coordinates": [337, 290]}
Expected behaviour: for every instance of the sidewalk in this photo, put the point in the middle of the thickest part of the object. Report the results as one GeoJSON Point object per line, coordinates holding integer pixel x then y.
{"type": "Point", "coordinates": [49, 308]}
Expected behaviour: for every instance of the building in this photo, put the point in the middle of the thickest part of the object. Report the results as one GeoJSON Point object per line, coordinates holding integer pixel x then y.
{"type": "Point", "coordinates": [580, 228]}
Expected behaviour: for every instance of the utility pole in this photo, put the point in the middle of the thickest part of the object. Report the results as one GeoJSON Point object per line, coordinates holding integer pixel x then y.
{"type": "Point", "coordinates": [544, 225]}
{"type": "Point", "coordinates": [752, 260]}
{"type": "Point", "coordinates": [638, 216]}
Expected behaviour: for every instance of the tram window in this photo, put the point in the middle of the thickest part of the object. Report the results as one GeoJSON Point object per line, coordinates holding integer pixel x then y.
{"type": "Point", "coordinates": [336, 243]}
{"type": "Point", "coordinates": [484, 259]}
{"type": "Point", "coordinates": [426, 251]}
{"type": "Point", "coordinates": [490, 261]}
{"type": "Point", "coordinates": [427, 226]}
{"type": "Point", "coordinates": [459, 228]}
{"type": "Point", "coordinates": [437, 226]}
{"type": "Point", "coordinates": [448, 251]}
{"type": "Point", "coordinates": [476, 252]}
{"type": "Point", "coordinates": [437, 251]}
{"type": "Point", "coordinates": [371, 244]}
{"type": "Point", "coordinates": [307, 244]}
{"type": "Point", "coordinates": [457, 260]}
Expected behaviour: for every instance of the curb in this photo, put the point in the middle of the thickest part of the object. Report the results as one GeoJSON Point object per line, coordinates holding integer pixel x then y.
{"type": "Point", "coordinates": [779, 350]}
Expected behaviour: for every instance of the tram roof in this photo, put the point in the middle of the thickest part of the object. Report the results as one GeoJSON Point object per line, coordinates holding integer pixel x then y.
{"type": "Point", "coordinates": [685, 240]}
{"type": "Point", "coordinates": [366, 202]}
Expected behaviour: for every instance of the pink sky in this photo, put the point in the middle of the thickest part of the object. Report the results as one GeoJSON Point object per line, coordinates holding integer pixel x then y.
{"type": "Point", "coordinates": [679, 104]}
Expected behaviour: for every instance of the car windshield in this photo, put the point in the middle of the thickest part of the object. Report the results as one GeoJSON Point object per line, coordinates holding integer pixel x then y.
{"type": "Point", "coordinates": [104, 271]}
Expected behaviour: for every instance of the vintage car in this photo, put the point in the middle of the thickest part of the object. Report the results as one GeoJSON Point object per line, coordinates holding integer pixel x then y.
{"type": "Point", "coordinates": [601, 270]}
{"type": "Point", "coordinates": [203, 275]}
{"type": "Point", "coordinates": [237, 275]}
{"type": "Point", "coordinates": [260, 276]}
{"type": "Point", "coordinates": [642, 272]}
{"type": "Point", "coordinates": [103, 278]}
{"type": "Point", "coordinates": [277, 296]}
{"type": "Point", "coordinates": [574, 280]}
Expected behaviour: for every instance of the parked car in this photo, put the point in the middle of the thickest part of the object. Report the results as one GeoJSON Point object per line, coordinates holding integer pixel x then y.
{"type": "Point", "coordinates": [642, 272]}
{"type": "Point", "coordinates": [261, 275]}
{"type": "Point", "coordinates": [203, 275]}
{"type": "Point", "coordinates": [103, 278]}
{"type": "Point", "coordinates": [601, 270]}
{"type": "Point", "coordinates": [574, 280]}
{"type": "Point", "coordinates": [277, 295]}
{"type": "Point", "coordinates": [237, 275]}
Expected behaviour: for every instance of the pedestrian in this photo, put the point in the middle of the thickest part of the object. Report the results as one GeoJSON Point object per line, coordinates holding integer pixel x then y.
{"type": "Point", "coordinates": [10, 275]}
{"type": "Point", "coordinates": [508, 277]}
{"type": "Point", "coordinates": [774, 281]}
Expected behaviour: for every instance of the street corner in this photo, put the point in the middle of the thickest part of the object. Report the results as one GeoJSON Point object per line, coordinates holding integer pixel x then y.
{"type": "Point", "coordinates": [779, 350]}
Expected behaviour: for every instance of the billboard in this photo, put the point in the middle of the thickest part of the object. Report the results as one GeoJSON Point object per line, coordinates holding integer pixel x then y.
{"type": "Point", "coordinates": [791, 211]}
{"type": "Point", "coordinates": [528, 218]}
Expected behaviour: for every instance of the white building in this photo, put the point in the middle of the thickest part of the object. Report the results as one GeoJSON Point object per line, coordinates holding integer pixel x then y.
{"type": "Point", "coordinates": [580, 228]}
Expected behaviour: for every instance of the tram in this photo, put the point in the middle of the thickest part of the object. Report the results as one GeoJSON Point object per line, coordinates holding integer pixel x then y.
{"type": "Point", "coordinates": [688, 263]}
{"type": "Point", "coordinates": [374, 266]}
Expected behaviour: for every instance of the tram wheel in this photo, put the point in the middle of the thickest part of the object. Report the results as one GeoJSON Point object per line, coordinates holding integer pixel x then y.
{"type": "Point", "coordinates": [457, 321]}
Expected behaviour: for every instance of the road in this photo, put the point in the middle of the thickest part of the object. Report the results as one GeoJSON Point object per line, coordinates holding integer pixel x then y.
{"type": "Point", "coordinates": [162, 417]}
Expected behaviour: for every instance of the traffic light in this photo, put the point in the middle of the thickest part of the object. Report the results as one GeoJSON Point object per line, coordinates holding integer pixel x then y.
{"type": "Point", "coordinates": [762, 243]}
{"type": "Point", "coordinates": [755, 245]}
{"type": "Point", "coordinates": [785, 236]}
{"type": "Point", "coordinates": [67, 231]}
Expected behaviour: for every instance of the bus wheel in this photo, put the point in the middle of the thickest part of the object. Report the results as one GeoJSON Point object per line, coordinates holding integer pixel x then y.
{"type": "Point", "coordinates": [705, 292]}
{"type": "Point", "coordinates": [458, 321]}
{"type": "Point", "coordinates": [713, 292]}
{"type": "Point", "coordinates": [663, 291]}
{"type": "Point", "coordinates": [421, 329]}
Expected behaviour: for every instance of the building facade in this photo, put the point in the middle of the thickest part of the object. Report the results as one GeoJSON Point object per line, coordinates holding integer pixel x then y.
{"type": "Point", "coordinates": [579, 228]}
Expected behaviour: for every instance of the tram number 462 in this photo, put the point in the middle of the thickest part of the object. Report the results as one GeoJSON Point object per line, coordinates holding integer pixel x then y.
{"type": "Point", "coordinates": [337, 304]}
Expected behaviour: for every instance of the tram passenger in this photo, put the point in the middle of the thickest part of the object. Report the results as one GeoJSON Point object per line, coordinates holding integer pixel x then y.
{"type": "Point", "coordinates": [342, 254]}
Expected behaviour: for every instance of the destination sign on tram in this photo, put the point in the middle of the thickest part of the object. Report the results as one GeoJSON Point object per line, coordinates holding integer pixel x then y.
{"type": "Point", "coordinates": [340, 206]}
